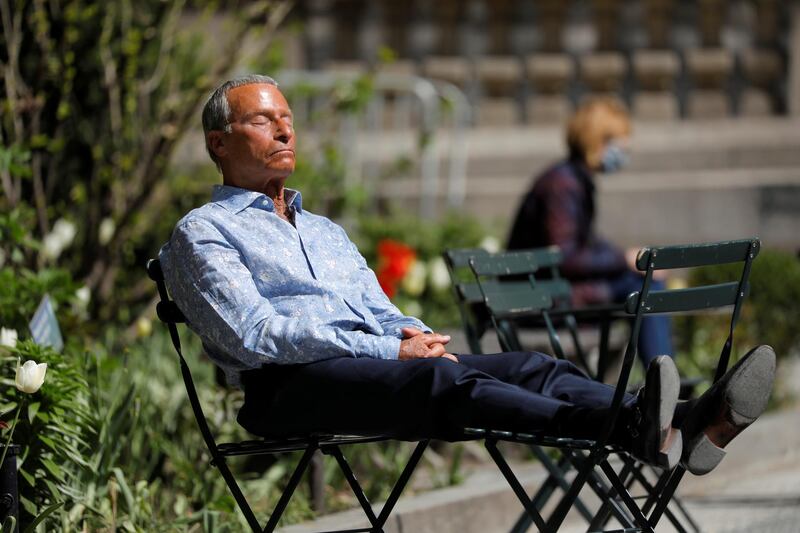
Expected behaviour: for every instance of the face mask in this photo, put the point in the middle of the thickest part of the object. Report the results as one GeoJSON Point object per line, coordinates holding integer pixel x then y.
{"type": "Point", "coordinates": [614, 158]}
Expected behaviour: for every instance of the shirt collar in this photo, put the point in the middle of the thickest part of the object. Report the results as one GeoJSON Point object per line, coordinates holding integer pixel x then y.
{"type": "Point", "coordinates": [236, 199]}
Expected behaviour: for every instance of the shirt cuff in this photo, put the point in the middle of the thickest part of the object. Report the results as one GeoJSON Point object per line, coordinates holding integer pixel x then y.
{"type": "Point", "coordinates": [379, 347]}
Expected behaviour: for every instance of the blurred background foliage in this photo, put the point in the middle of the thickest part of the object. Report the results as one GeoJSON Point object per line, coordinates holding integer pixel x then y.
{"type": "Point", "coordinates": [95, 100]}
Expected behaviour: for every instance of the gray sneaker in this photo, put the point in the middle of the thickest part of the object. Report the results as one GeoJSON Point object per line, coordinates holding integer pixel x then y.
{"type": "Point", "coordinates": [653, 439]}
{"type": "Point", "coordinates": [724, 410]}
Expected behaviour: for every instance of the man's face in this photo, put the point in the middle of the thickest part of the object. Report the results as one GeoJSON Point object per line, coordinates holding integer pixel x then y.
{"type": "Point", "coordinates": [260, 144]}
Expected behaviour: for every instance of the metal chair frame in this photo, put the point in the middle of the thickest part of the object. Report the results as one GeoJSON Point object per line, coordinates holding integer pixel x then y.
{"type": "Point", "coordinates": [470, 300]}
{"type": "Point", "coordinates": [504, 305]}
{"type": "Point", "coordinates": [169, 313]}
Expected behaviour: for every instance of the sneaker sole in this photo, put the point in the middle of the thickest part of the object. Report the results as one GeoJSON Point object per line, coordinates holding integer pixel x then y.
{"type": "Point", "coordinates": [670, 440]}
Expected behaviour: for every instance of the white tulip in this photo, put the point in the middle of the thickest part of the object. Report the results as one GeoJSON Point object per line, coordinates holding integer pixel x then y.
{"type": "Point", "coordinates": [8, 337]}
{"type": "Point", "coordinates": [106, 231]}
{"type": "Point", "coordinates": [83, 296]}
{"type": "Point", "coordinates": [59, 238]}
{"type": "Point", "coordinates": [30, 376]}
{"type": "Point", "coordinates": [414, 280]}
{"type": "Point", "coordinates": [66, 230]}
{"type": "Point", "coordinates": [438, 274]}
{"type": "Point", "coordinates": [490, 244]}
{"type": "Point", "coordinates": [144, 327]}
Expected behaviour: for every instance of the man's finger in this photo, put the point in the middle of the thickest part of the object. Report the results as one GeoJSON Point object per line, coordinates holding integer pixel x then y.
{"type": "Point", "coordinates": [410, 332]}
{"type": "Point", "coordinates": [451, 357]}
{"type": "Point", "coordinates": [435, 338]}
{"type": "Point", "coordinates": [436, 350]}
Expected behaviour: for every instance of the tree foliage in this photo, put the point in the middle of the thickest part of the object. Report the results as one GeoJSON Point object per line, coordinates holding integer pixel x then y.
{"type": "Point", "coordinates": [95, 97]}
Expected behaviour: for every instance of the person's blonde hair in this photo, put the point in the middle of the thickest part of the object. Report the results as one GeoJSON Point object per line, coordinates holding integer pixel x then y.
{"type": "Point", "coordinates": [593, 124]}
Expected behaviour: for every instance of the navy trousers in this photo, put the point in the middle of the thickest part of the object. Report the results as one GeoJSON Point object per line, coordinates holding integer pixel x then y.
{"type": "Point", "coordinates": [423, 398]}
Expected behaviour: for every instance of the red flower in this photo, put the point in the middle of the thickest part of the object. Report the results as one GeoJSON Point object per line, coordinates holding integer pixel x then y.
{"type": "Point", "coordinates": [394, 261]}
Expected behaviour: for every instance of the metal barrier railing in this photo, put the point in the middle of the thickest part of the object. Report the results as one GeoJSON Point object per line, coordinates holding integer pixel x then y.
{"type": "Point", "coordinates": [442, 109]}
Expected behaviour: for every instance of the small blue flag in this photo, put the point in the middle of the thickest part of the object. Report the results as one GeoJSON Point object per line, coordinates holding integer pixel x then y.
{"type": "Point", "coordinates": [44, 326]}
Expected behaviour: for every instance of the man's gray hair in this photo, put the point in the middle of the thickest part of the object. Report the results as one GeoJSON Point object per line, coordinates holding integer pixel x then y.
{"type": "Point", "coordinates": [217, 111]}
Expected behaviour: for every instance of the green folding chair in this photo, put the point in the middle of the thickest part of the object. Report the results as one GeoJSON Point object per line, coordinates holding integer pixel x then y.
{"type": "Point", "coordinates": [474, 319]}
{"type": "Point", "coordinates": [507, 302]}
{"type": "Point", "coordinates": [596, 452]}
{"type": "Point", "coordinates": [169, 313]}
{"type": "Point", "coordinates": [559, 291]}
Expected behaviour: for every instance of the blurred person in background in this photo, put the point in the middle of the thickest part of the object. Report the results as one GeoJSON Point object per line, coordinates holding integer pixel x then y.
{"type": "Point", "coordinates": [560, 210]}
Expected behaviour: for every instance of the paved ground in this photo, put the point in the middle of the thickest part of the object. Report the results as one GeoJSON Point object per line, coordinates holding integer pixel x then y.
{"type": "Point", "coordinates": [755, 489]}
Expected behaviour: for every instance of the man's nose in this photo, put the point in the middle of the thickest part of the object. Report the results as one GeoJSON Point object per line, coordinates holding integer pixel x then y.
{"type": "Point", "coordinates": [283, 131]}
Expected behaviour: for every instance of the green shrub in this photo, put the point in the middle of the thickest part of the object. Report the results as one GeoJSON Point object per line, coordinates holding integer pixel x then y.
{"type": "Point", "coordinates": [432, 301]}
{"type": "Point", "coordinates": [770, 314]}
{"type": "Point", "coordinates": [55, 427]}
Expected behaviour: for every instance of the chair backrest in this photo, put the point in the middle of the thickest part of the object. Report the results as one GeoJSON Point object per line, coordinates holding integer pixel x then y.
{"type": "Point", "coordinates": [166, 310]}
{"type": "Point", "coordinates": [645, 301]}
{"type": "Point", "coordinates": [524, 296]}
{"type": "Point", "coordinates": [732, 293]}
{"type": "Point", "coordinates": [470, 299]}
{"type": "Point", "coordinates": [467, 294]}
{"type": "Point", "coordinates": [169, 313]}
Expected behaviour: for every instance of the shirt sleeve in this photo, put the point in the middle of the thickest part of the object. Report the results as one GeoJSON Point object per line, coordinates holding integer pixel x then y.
{"type": "Point", "coordinates": [391, 319]}
{"type": "Point", "coordinates": [214, 288]}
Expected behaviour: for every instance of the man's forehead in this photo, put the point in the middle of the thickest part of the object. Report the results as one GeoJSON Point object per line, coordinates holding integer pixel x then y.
{"type": "Point", "coordinates": [256, 96]}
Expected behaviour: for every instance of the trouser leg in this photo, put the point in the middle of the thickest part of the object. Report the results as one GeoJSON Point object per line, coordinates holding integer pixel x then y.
{"type": "Point", "coordinates": [418, 398]}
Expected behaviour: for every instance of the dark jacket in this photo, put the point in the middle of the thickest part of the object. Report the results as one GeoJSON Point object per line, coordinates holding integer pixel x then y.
{"type": "Point", "coordinates": [559, 210]}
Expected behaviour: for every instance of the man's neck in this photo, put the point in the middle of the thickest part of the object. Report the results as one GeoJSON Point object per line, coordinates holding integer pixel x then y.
{"type": "Point", "coordinates": [281, 207]}
{"type": "Point", "coordinates": [274, 189]}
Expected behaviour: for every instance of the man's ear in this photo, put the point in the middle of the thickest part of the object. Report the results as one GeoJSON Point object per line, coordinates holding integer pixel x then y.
{"type": "Point", "coordinates": [216, 143]}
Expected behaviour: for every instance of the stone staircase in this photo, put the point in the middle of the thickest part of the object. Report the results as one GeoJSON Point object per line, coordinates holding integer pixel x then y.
{"type": "Point", "coordinates": [687, 180]}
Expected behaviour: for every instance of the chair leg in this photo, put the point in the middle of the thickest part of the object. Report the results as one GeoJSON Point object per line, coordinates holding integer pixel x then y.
{"type": "Point", "coordinates": [516, 486]}
{"type": "Point", "coordinates": [663, 478]}
{"type": "Point", "coordinates": [290, 487]}
{"type": "Point", "coordinates": [241, 501]}
{"type": "Point", "coordinates": [584, 472]}
{"type": "Point", "coordinates": [557, 472]}
{"type": "Point", "coordinates": [604, 513]}
{"type": "Point", "coordinates": [650, 488]}
{"type": "Point", "coordinates": [344, 466]}
{"type": "Point", "coordinates": [397, 490]}
{"type": "Point", "coordinates": [666, 495]}
{"type": "Point", "coordinates": [626, 497]}
{"type": "Point", "coordinates": [604, 492]}
{"type": "Point", "coordinates": [555, 479]}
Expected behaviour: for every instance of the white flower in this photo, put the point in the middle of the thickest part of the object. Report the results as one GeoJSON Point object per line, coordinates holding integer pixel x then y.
{"type": "Point", "coordinates": [144, 327]}
{"type": "Point", "coordinates": [60, 238]}
{"type": "Point", "coordinates": [8, 337]}
{"type": "Point", "coordinates": [414, 280]}
{"type": "Point", "coordinates": [82, 297]}
{"type": "Point", "coordinates": [106, 231]}
{"type": "Point", "coordinates": [30, 376]}
{"type": "Point", "coordinates": [490, 244]}
{"type": "Point", "coordinates": [438, 274]}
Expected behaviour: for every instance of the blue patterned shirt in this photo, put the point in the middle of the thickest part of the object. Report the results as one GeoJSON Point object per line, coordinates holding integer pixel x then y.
{"type": "Point", "coordinates": [258, 290]}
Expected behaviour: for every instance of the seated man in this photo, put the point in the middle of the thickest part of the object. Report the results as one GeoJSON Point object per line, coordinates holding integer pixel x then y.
{"type": "Point", "coordinates": [287, 306]}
